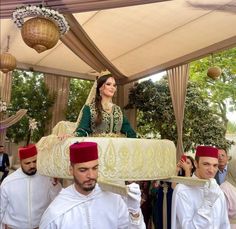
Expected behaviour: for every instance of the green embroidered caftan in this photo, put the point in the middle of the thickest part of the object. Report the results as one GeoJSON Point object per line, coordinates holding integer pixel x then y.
{"type": "Point", "coordinates": [112, 123]}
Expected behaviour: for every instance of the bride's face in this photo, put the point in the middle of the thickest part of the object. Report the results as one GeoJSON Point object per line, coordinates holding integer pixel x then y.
{"type": "Point", "coordinates": [108, 89]}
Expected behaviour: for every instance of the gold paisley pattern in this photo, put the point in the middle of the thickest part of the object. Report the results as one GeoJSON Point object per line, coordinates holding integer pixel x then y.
{"type": "Point", "coordinates": [119, 158]}
{"type": "Point", "coordinates": [111, 123]}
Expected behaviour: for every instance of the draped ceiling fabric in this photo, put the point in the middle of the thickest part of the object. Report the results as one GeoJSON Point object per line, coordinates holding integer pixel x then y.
{"type": "Point", "coordinates": [80, 43]}
{"type": "Point", "coordinates": [72, 6]}
{"type": "Point", "coordinates": [60, 86]}
{"type": "Point", "coordinates": [5, 89]}
{"type": "Point", "coordinates": [178, 80]}
{"type": "Point", "coordinates": [131, 38]}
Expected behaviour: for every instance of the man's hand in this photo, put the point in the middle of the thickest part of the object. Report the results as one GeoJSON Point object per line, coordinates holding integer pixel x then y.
{"type": "Point", "coordinates": [211, 192]}
{"type": "Point", "coordinates": [134, 198]}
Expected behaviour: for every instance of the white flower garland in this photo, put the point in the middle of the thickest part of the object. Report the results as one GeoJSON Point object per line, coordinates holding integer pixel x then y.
{"type": "Point", "coordinates": [3, 106]}
{"type": "Point", "coordinates": [27, 11]}
{"type": "Point", "coordinates": [33, 124]}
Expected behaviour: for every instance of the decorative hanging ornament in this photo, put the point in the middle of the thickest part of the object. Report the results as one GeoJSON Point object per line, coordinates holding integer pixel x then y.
{"type": "Point", "coordinates": [40, 34]}
{"type": "Point", "coordinates": [213, 72]}
{"type": "Point", "coordinates": [43, 31]}
{"type": "Point", "coordinates": [7, 61]}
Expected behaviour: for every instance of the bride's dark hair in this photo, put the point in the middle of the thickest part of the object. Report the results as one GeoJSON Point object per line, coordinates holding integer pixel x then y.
{"type": "Point", "coordinates": [98, 105]}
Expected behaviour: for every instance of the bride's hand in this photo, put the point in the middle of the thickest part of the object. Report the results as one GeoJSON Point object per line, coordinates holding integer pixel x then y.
{"type": "Point", "coordinates": [64, 136]}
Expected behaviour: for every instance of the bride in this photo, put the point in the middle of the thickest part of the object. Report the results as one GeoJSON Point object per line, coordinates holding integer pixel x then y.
{"type": "Point", "coordinates": [102, 117]}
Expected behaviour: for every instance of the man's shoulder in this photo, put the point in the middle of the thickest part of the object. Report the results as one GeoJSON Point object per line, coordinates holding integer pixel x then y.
{"type": "Point", "coordinates": [39, 176]}
{"type": "Point", "coordinates": [107, 194]}
{"type": "Point", "coordinates": [5, 155]}
{"type": "Point", "coordinates": [182, 189]}
{"type": "Point", "coordinates": [65, 196]}
{"type": "Point", "coordinates": [16, 175]}
{"type": "Point", "coordinates": [63, 202]}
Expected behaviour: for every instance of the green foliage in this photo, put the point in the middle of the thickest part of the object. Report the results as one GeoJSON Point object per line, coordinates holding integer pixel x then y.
{"type": "Point", "coordinates": [231, 128]}
{"type": "Point", "coordinates": [29, 92]}
{"type": "Point", "coordinates": [79, 90]}
{"type": "Point", "coordinates": [220, 93]}
{"type": "Point", "coordinates": [156, 115]}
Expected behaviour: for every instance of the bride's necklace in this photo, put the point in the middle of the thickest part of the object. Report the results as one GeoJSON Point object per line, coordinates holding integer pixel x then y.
{"type": "Point", "coordinates": [107, 106]}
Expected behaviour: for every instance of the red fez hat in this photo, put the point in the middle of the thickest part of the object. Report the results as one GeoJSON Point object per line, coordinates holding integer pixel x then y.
{"type": "Point", "coordinates": [207, 151]}
{"type": "Point", "coordinates": [27, 151]}
{"type": "Point", "coordinates": [83, 151]}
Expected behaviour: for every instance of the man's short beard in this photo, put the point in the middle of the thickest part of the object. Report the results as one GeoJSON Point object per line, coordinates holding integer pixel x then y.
{"type": "Point", "coordinates": [30, 173]}
{"type": "Point", "coordinates": [89, 188]}
{"type": "Point", "coordinates": [86, 189]}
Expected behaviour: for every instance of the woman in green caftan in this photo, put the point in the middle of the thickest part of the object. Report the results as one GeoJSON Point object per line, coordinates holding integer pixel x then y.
{"type": "Point", "coordinates": [102, 117]}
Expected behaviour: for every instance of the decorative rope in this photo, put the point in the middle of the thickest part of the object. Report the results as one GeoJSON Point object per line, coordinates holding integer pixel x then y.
{"type": "Point", "coordinates": [8, 41]}
{"type": "Point", "coordinates": [12, 119]}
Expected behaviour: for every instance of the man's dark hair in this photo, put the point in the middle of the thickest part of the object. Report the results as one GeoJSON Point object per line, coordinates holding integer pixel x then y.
{"type": "Point", "coordinates": [222, 148]}
{"type": "Point", "coordinates": [197, 159]}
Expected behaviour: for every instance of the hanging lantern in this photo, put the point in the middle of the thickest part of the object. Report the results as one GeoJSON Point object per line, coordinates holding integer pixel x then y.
{"type": "Point", "coordinates": [7, 62]}
{"type": "Point", "coordinates": [43, 31]}
{"type": "Point", "coordinates": [40, 33]}
{"type": "Point", "coordinates": [213, 72]}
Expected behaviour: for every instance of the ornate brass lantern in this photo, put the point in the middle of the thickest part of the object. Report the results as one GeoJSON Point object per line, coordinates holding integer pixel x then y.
{"type": "Point", "coordinates": [40, 33]}
{"type": "Point", "coordinates": [43, 31]}
{"type": "Point", "coordinates": [213, 72]}
{"type": "Point", "coordinates": [7, 61]}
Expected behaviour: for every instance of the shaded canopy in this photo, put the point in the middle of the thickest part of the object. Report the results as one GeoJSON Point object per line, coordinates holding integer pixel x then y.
{"type": "Point", "coordinates": [132, 42]}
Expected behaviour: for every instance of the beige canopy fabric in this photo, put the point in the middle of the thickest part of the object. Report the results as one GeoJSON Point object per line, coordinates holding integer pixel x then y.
{"type": "Point", "coordinates": [59, 87]}
{"type": "Point", "coordinates": [72, 6]}
{"type": "Point", "coordinates": [178, 80]}
{"type": "Point", "coordinates": [132, 42]}
{"type": "Point", "coordinates": [5, 95]}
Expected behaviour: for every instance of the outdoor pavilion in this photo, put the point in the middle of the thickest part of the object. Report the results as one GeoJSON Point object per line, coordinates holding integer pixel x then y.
{"type": "Point", "coordinates": [131, 38]}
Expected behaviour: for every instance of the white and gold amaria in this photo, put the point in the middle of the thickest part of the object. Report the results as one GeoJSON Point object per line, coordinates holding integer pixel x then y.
{"type": "Point", "coordinates": [120, 158]}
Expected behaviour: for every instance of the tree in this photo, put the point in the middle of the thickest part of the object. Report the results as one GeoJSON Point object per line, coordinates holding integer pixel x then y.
{"type": "Point", "coordinates": [79, 90]}
{"type": "Point", "coordinates": [220, 93]}
{"type": "Point", "coordinates": [29, 92]}
{"type": "Point", "coordinates": [156, 116]}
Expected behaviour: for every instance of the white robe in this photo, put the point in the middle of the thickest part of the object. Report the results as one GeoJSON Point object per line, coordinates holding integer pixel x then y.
{"type": "Point", "coordinates": [98, 210]}
{"type": "Point", "coordinates": [24, 198]}
{"type": "Point", "coordinates": [188, 211]}
{"type": "Point", "coordinates": [230, 194]}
